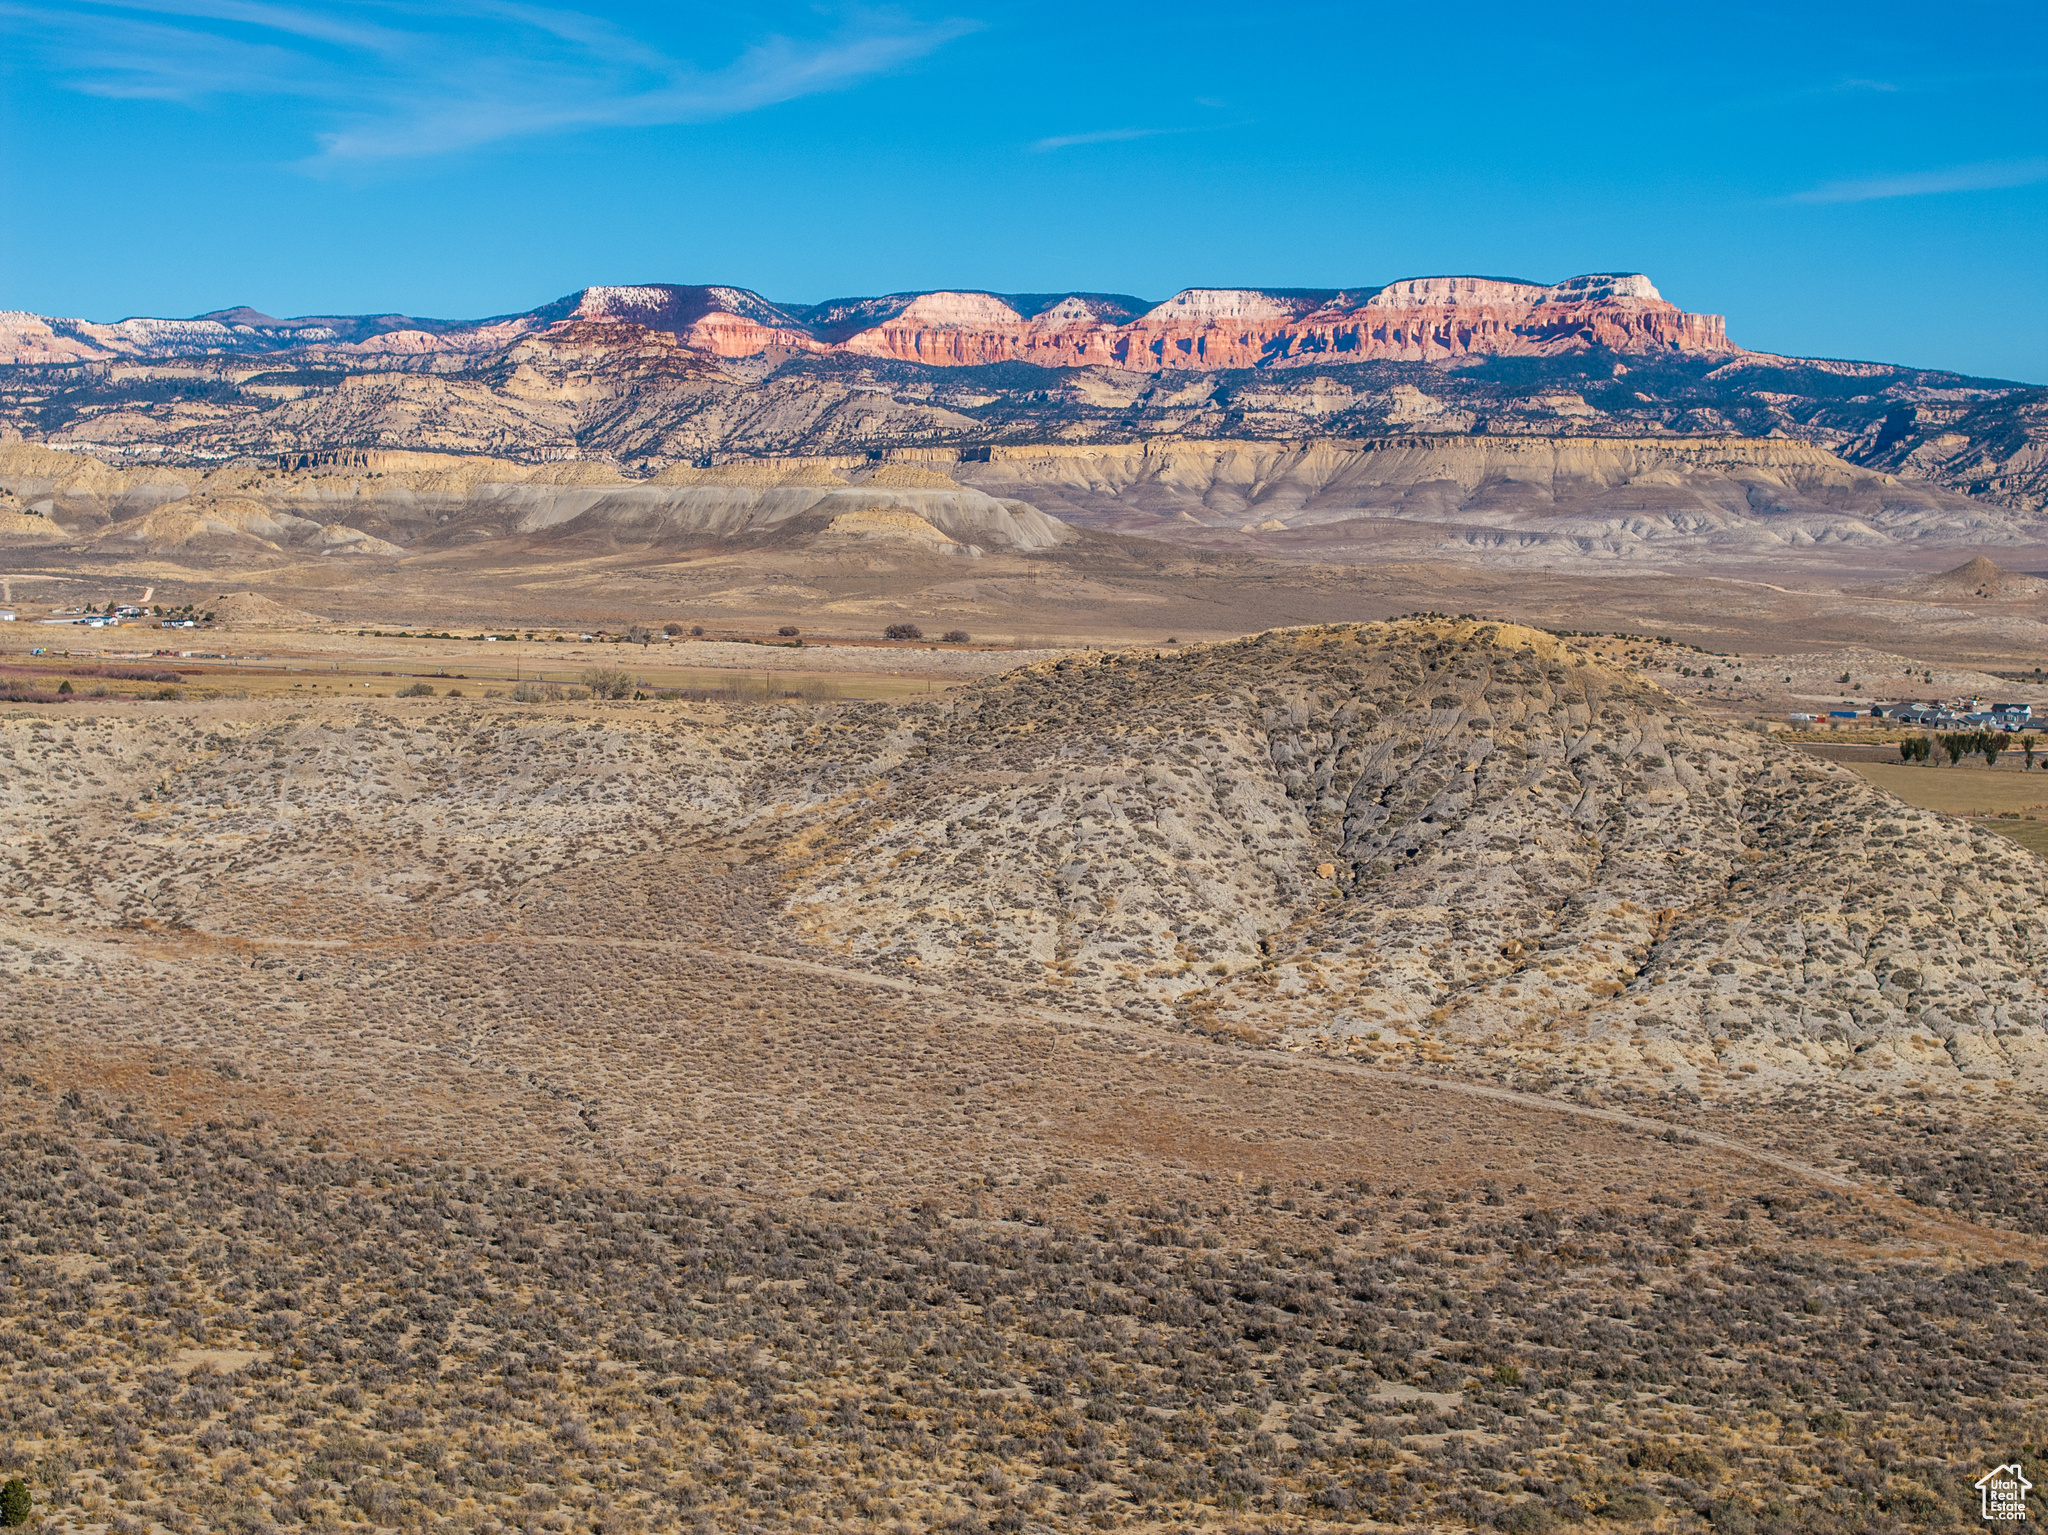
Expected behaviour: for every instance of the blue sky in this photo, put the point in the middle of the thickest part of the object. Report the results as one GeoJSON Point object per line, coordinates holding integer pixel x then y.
{"type": "Point", "coordinates": [1853, 181]}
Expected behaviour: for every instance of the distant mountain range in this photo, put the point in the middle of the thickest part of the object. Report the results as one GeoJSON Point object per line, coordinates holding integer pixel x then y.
{"type": "Point", "coordinates": [658, 375]}
{"type": "Point", "coordinates": [1418, 320]}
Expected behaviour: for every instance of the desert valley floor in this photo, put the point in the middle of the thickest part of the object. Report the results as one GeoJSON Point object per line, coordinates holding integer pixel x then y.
{"type": "Point", "coordinates": [1421, 1075]}
{"type": "Point", "coordinates": [1385, 982]}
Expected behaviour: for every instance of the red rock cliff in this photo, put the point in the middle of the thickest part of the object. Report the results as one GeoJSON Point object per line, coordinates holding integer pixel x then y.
{"type": "Point", "coordinates": [1417, 320]}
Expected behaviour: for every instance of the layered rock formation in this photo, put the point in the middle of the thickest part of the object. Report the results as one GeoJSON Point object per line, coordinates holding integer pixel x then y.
{"type": "Point", "coordinates": [33, 338]}
{"type": "Point", "coordinates": [1648, 504]}
{"type": "Point", "coordinates": [1507, 499]}
{"type": "Point", "coordinates": [1419, 319]}
{"type": "Point", "coordinates": [1422, 320]}
{"type": "Point", "coordinates": [1992, 447]}
{"type": "Point", "coordinates": [651, 377]}
{"type": "Point", "coordinates": [394, 504]}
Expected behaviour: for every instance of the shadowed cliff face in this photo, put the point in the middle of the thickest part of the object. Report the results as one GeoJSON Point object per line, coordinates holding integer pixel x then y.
{"type": "Point", "coordinates": [1996, 449]}
{"type": "Point", "coordinates": [625, 392]}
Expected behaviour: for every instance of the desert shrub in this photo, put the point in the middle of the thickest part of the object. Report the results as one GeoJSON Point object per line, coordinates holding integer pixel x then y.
{"type": "Point", "coordinates": [65, 686]}
{"type": "Point", "coordinates": [903, 632]}
{"type": "Point", "coordinates": [607, 682]}
{"type": "Point", "coordinates": [1660, 1454]}
{"type": "Point", "coordinates": [128, 673]}
{"type": "Point", "coordinates": [955, 636]}
{"type": "Point", "coordinates": [696, 631]}
{"type": "Point", "coordinates": [1053, 1301]}
{"type": "Point", "coordinates": [16, 1502]}
{"type": "Point", "coordinates": [789, 631]}
{"type": "Point", "coordinates": [417, 690]}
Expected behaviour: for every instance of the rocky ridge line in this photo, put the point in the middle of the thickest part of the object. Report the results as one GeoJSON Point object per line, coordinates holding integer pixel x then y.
{"type": "Point", "coordinates": [1417, 319]}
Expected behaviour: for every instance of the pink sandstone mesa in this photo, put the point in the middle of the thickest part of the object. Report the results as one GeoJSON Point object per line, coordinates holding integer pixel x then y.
{"type": "Point", "coordinates": [1416, 320]}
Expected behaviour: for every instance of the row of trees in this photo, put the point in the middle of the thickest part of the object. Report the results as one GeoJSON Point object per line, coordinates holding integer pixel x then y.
{"type": "Point", "coordinates": [1988, 744]}
{"type": "Point", "coordinates": [640, 634]}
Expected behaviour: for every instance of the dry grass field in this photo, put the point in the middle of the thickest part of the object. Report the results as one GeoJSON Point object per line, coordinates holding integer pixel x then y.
{"type": "Point", "coordinates": [966, 1112]}
{"type": "Point", "coordinates": [2008, 799]}
{"type": "Point", "coordinates": [324, 663]}
{"type": "Point", "coordinates": [1967, 788]}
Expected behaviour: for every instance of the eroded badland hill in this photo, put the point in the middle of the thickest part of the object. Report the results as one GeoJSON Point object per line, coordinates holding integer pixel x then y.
{"type": "Point", "coordinates": [1413, 1075]}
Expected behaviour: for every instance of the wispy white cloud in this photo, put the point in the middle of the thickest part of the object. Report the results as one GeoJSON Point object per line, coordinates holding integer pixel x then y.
{"type": "Point", "coordinates": [412, 80]}
{"type": "Point", "coordinates": [125, 57]}
{"type": "Point", "coordinates": [1985, 177]}
{"type": "Point", "coordinates": [1102, 136]}
{"type": "Point", "coordinates": [511, 98]}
